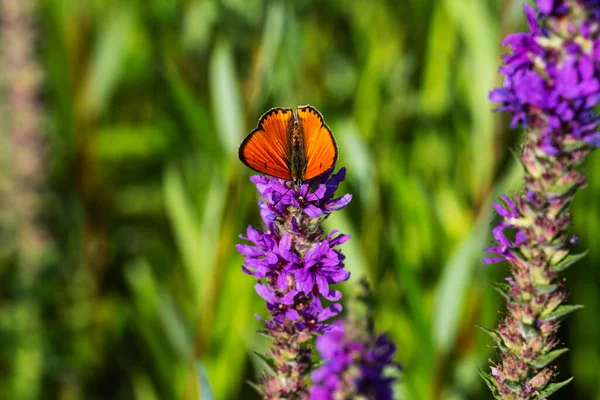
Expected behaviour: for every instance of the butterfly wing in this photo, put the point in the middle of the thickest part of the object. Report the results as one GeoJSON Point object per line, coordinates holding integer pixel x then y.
{"type": "Point", "coordinates": [266, 148]}
{"type": "Point", "coordinates": [319, 142]}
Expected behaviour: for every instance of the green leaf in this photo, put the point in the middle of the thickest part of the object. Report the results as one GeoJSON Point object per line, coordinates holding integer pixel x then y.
{"type": "Point", "coordinates": [495, 337]}
{"type": "Point", "coordinates": [270, 364]}
{"type": "Point", "coordinates": [255, 386]}
{"type": "Point", "coordinates": [560, 312]}
{"type": "Point", "coordinates": [491, 383]}
{"type": "Point", "coordinates": [124, 143]}
{"type": "Point", "coordinates": [259, 82]}
{"type": "Point", "coordinates": [226, 97]}
{"type": "Point", "coordinates": [527, 331]}
{"type": "Point", "coordinates": [108, 60]}
{"type": "Point", "coordinates": [514, 386]}
{"type": "Point", "coordinates": [416, 306]}
{"type": "Point", "coordinates": [266, 333]}
{"type": "Point", "coordinates": [443, 39]}
{"type": "Point", "coordinates": [175, 330]}
{"type": "Point", "coordinates": [477, 31]}
{"type": "Point", "coordinates": [503, 289]}
{"type": "Point", "coordinates": [517, 157]}
{"type": "Point", "coordinates": [198, 21]}
{"type": "Point", "coordinates": [553, 387]}
{"type": "Point", "coordinates": [455, 283]}
{"type": "Point", "coordinates": [187, 230]}
{"type": "Point", "coordinates": [568, 261]}
{"type": "Point", "coordinates": [193, 111]}
{"type": "Point", "coordinates": [544, 289]}
{"type": "Point", "coordinates": [146, 302]}
{"type": "Point", "coordinates": [548, 358]}
{"type": "Point", "coordinates": [458, 271]}
{"type": "Point", "coordinates": [318, 364]}
{"type": "Point", "coordinates": [233, 336]}
{"type": "Point", "coordinates": [142, 387]}
{"type": "Point", "coordinates": [205, 392]}
{"type": "Point", "coordinates": [139, 200]}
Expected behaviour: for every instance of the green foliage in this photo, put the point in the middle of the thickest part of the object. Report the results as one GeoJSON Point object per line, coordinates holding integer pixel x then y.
{"type": "Point", "coordinates": [548, 358]}
{"type": "Point", "coordinates": [145, 104]}
{"type": "Point", "coordinates": [568, 261]}
{"type": "Point", "coordinates": [560, 312]}
{"type": "Point", "coordinates": [491, 383]}
{"type": "Point", "coordinates": [553, 387]}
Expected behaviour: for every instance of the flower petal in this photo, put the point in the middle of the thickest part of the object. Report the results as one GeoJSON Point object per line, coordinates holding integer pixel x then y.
{"type": "Point", "coordinates": [265, 293]}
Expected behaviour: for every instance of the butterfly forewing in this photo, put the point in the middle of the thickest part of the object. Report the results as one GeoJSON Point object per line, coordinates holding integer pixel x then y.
{"type": "Point", "coordinates": [319, 143]}
{"type": "Point", "coordinates": [266, 148]}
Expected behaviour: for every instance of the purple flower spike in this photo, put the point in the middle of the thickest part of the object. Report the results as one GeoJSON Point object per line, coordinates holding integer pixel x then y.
{"type": "Point", "coordinates": [358, 363]}
{"type": "Point", "coordinates": [336, 380]}
{"type": "Point", "coordinates": [551, 86]}
{"type": "Point", "coordinates": [295, 263]}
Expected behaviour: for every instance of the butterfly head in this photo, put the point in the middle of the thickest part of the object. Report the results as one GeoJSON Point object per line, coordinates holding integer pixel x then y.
{"type": "Point", "coordinates": [297, 182]}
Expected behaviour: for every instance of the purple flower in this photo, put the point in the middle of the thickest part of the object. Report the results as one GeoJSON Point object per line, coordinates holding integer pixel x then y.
{"type": "Point", "coordinates": [560, 8]}
{"type": "Point", "coordinates": [313, 315]}
{"type": "Point", "coordinates": [278, 197]}
{"type": "Point", "coordinates": [280, 305]}
{"type": "Point", "coordinates": [268, 256]}
{"type": "Point", "coordinates": [510, 211]}
{"type": "Point", "coordinates": [355, 364]}
{"type": "Point", "coordinates": [553, 85]}
{"type": "Point", "coordinates": [322, 266]}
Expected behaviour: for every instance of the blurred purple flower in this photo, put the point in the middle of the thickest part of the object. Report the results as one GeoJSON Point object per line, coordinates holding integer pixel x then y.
{"type": "Point", "coordinates": [355, 364]}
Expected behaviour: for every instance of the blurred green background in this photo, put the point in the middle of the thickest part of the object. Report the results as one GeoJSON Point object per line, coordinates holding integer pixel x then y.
{"type": "Point", "coordinates": [141, 295]}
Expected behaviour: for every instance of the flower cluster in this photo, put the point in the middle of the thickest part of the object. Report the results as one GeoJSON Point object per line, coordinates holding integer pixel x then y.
{"type": "Point", "coordinates": [356, 358]}
{"type": "Point", "coordinates": [551, 77]}
{"type": "Point", "coordinates": [295, 264]}
{"type": "Point", "coordinates": [551, 86]}
{"type": "Point", "coordinates": [355, 366]}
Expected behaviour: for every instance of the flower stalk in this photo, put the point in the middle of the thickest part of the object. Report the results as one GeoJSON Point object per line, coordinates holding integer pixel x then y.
{"type": "Point", "coordinates": [295, 263]}
{"type": "Point", "coordinates": [23, 194]}
{"type": "Point", "coordinates": [21, 88]}
{"type": "Point", "coordinates": [551, 87]}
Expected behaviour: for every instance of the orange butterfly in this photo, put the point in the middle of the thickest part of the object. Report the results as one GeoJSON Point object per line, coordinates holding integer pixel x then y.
{"type": "Point", "coordinates": [290, 146]}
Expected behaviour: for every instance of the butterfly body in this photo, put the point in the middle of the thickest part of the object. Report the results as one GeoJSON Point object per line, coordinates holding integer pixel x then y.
{"type": "Point", "coordinates": [293, 146]}
{"type": "Point", "coordinates": [297, 162]}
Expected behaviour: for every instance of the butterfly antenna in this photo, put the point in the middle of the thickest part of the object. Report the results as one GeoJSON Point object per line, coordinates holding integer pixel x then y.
{"type": "Point", "coordinates": [295, 187]}
{"type": "Point", "coordinates": [285, 194]}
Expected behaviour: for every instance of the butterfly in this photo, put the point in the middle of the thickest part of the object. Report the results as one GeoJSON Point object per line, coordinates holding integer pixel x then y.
{"type": "Point", "coordinates": [292, 146]}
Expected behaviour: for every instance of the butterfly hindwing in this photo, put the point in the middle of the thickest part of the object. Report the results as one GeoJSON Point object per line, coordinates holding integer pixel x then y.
{"type": "Point", "coordinates": [319, 142]}
{"type": "Point", "coordinates": [266, 148]}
